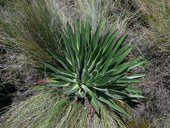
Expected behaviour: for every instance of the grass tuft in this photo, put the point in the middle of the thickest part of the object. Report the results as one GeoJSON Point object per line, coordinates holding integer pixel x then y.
{"type": "Point", "coordinates": [156, 14]}
{"type": "Point", "coordinates": [47, 110]}
{"type": "Point", "coordinates": [30, 26]}
{"type": "Point", "coordinates": [111, 12]}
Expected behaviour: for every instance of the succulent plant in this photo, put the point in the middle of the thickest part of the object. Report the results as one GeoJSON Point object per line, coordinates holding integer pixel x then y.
{"type": "Point", "coordinates": [93, 67]}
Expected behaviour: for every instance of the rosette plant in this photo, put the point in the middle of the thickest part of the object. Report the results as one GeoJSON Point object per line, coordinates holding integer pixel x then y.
{"type": "Point", "coordinates": [93, 67]}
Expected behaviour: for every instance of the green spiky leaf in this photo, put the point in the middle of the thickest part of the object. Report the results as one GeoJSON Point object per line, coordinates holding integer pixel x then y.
{"type": "Point", "coordinates": [92, 66]}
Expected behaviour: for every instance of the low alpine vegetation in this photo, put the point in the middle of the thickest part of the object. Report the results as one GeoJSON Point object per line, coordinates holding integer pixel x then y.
{"type": "Point", "coordinates": [92, 68]}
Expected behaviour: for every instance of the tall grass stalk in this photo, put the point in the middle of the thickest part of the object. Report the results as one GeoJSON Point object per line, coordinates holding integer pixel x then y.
{"type": "Point", "coordinates": [44, 110]}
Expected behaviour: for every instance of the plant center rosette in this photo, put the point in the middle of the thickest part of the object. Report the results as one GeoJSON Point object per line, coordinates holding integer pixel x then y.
{"type": "Point", "coordinates": [93, 67]}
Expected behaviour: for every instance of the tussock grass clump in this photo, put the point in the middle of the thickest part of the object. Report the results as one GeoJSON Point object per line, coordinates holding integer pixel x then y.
{"type": "Point", "coordinates": [30, 26]}
{"type": "Point", "coordinates": [156, 14]}
{"type": "Point", "coordinates": [44, 110]}
{"type": "Point", "coordinates": [111, 12]}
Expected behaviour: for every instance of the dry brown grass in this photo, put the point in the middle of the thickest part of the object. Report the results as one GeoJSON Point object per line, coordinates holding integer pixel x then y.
{"type": "Point", "coordinates": [156, 14]}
